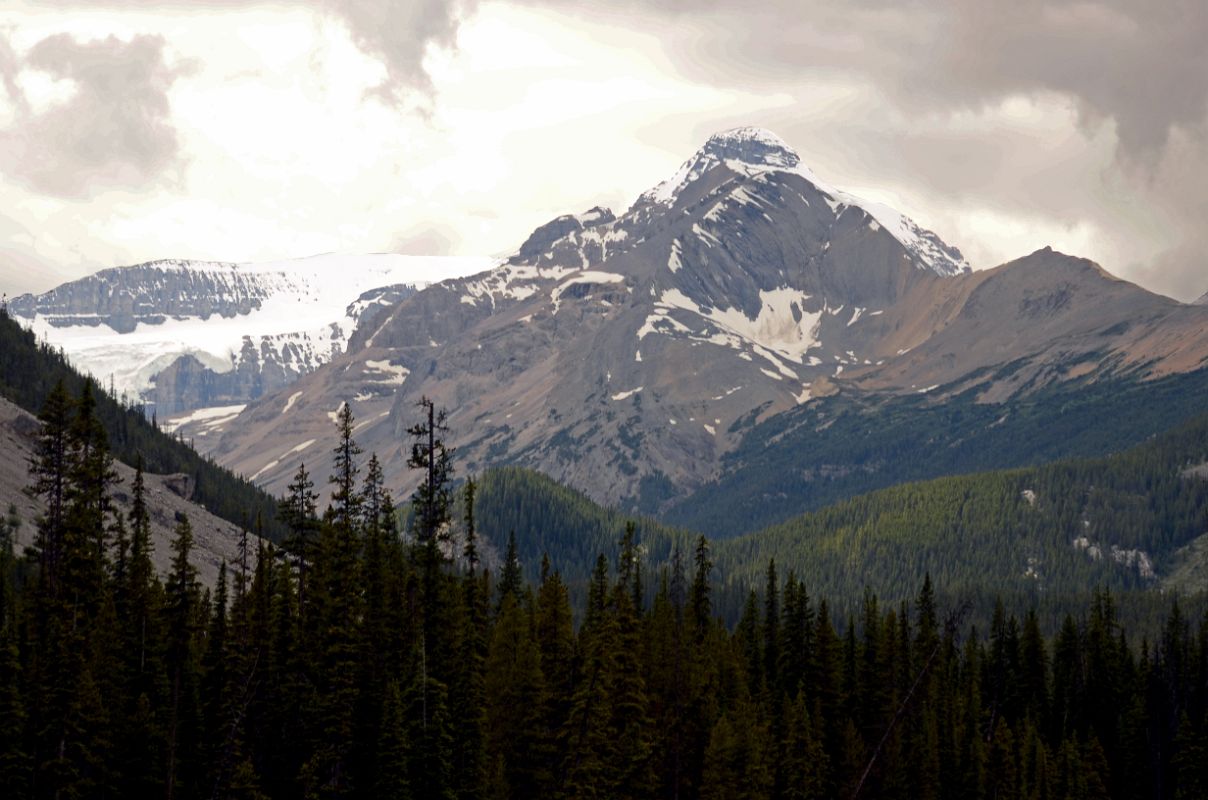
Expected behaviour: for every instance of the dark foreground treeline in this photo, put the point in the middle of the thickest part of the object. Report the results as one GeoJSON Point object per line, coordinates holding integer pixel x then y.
{"type": "Point", "coordinates": [358, 662]}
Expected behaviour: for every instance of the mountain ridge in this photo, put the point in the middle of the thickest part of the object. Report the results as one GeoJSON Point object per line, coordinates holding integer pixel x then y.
{"type": "Point", "coordinates": [176, 335]}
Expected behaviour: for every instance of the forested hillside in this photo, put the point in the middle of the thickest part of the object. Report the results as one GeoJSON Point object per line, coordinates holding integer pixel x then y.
{"type": "Point", "coordinates": [1044, 535]}
{"type": "Point", "coordinates": [838, 447]}
{"type": "Point", "coordinates": [961, 637]}
{"type": "Point", "coordinates": [29, 370]}
{"type": "Point", "coordinates": [357, 662]}
{"type": "Point", "coordinates": [549, 519]}
{"type": "Point", "coordinates": [1118, 521]}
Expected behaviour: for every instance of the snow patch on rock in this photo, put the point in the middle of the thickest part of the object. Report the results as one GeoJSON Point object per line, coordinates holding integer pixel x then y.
{"type": "Point", "coordinates": [626, 394]}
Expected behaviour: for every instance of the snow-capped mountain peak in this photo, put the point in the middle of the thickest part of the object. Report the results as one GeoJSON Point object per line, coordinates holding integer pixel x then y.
{"type": "Point", "coordinates": [742, 149]}
{"type": "Point", "coordinates": [752, 151]}
{"type": "Point", "coordinates": [754, 146]}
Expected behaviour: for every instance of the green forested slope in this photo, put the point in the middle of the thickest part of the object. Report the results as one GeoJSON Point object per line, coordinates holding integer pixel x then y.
{"type": "Point", "coordinates": [1004, 532]}
{"type": "Point", "coordinates": [28, 371]}
{"type": "Point", "coordinates": [551, 519]}
{"type": "Point", "coordinates": [843, 446]}
{"type": "Point", "coordinates": [1008, 532]}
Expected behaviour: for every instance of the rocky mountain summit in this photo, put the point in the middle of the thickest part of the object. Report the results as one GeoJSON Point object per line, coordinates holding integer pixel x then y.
{"type": "Point", "coordinates": [634, 349]}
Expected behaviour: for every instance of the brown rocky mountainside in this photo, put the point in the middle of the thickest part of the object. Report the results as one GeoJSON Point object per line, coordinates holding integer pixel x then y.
{"type": "Point", "coordinates": [216, 540]}
{"type": "Point", "coordinates": [1049, 316]}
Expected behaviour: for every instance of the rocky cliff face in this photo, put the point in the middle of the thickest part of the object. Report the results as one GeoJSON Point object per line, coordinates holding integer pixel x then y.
{"type": "Point", "coordinates": [123, 297]}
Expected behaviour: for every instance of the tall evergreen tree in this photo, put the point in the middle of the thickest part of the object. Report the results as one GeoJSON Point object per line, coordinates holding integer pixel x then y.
{"type": "Point", "coordinates": [432, 504]}
{"type": "Point", "coordinates": [467, 691]}
{"type": "Point", "coordinates": [297, 510]}
{"type": "Point", "coordinates": [699, 595]}
{"type": "Point", "coordinates": [516, 713]}
{"type": "Point", "coordinates": [346, 497]}
{"type": "Point", "coordinates": [334, 618]}
{"type": "Point", "coordinates": [182, 667]}
{"type": "Point", "coordinates": [511, 582]}
{"type": "Point", "coordinates": [432, 499]}
{"type": "Point", "coordinates": [49, 468]}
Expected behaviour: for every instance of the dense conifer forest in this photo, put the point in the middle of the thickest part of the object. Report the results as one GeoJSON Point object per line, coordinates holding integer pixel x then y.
{"type": "Point", "coordinates": [358, 660]}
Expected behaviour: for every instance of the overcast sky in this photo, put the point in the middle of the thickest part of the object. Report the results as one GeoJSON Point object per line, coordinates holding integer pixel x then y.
{"type": "Point", "coordinates": [237, 130]}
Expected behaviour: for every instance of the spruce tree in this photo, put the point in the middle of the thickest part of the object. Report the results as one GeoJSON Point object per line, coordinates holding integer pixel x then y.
{"type": "Point", "coordinates": [516, 697]}
{"type": "Point", "coordinates": [802, 758]}
{"type": "Point", "coordinates": [511, 583]}
{"type": "Point", "coordinates": [432, 506]}
{"type": "Point", "coordinates": [630, 721]}
{"type": "Point", "coordinates": [182, 666]}
{"type": "Point", "coordinates": [432, 499]}
{"type": "Point", "coordinates": [467, 690]}
{"type": "Point", "coordinates": [699, 595]}
{"type": "Point", "coordinates": [555, 640]}
{"type": "Point", "coordinates": [772, 637]}
{"type": "Point", "coordinates": [346, 497]}
{"type": "Point", "coordinates": [49, 467]}
{"type": "Point", "coordinates": [215, 692]}
{"type": "Point", "coordinates": [298, 512]}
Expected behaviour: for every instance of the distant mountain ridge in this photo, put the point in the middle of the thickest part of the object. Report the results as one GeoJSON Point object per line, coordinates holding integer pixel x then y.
{"type": "Point", "coordinates": [179, 335]}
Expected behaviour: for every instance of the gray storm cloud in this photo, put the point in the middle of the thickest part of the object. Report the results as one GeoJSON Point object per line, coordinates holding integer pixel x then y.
{"type": "Point", "coordinates": [1139, 63]}
{"type": "Point", "coordinates": [398, 34]}
{"type": "Point", "coordinates": [114, 131]}
{"type": "Point", "coordinates": [1139, 66]}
